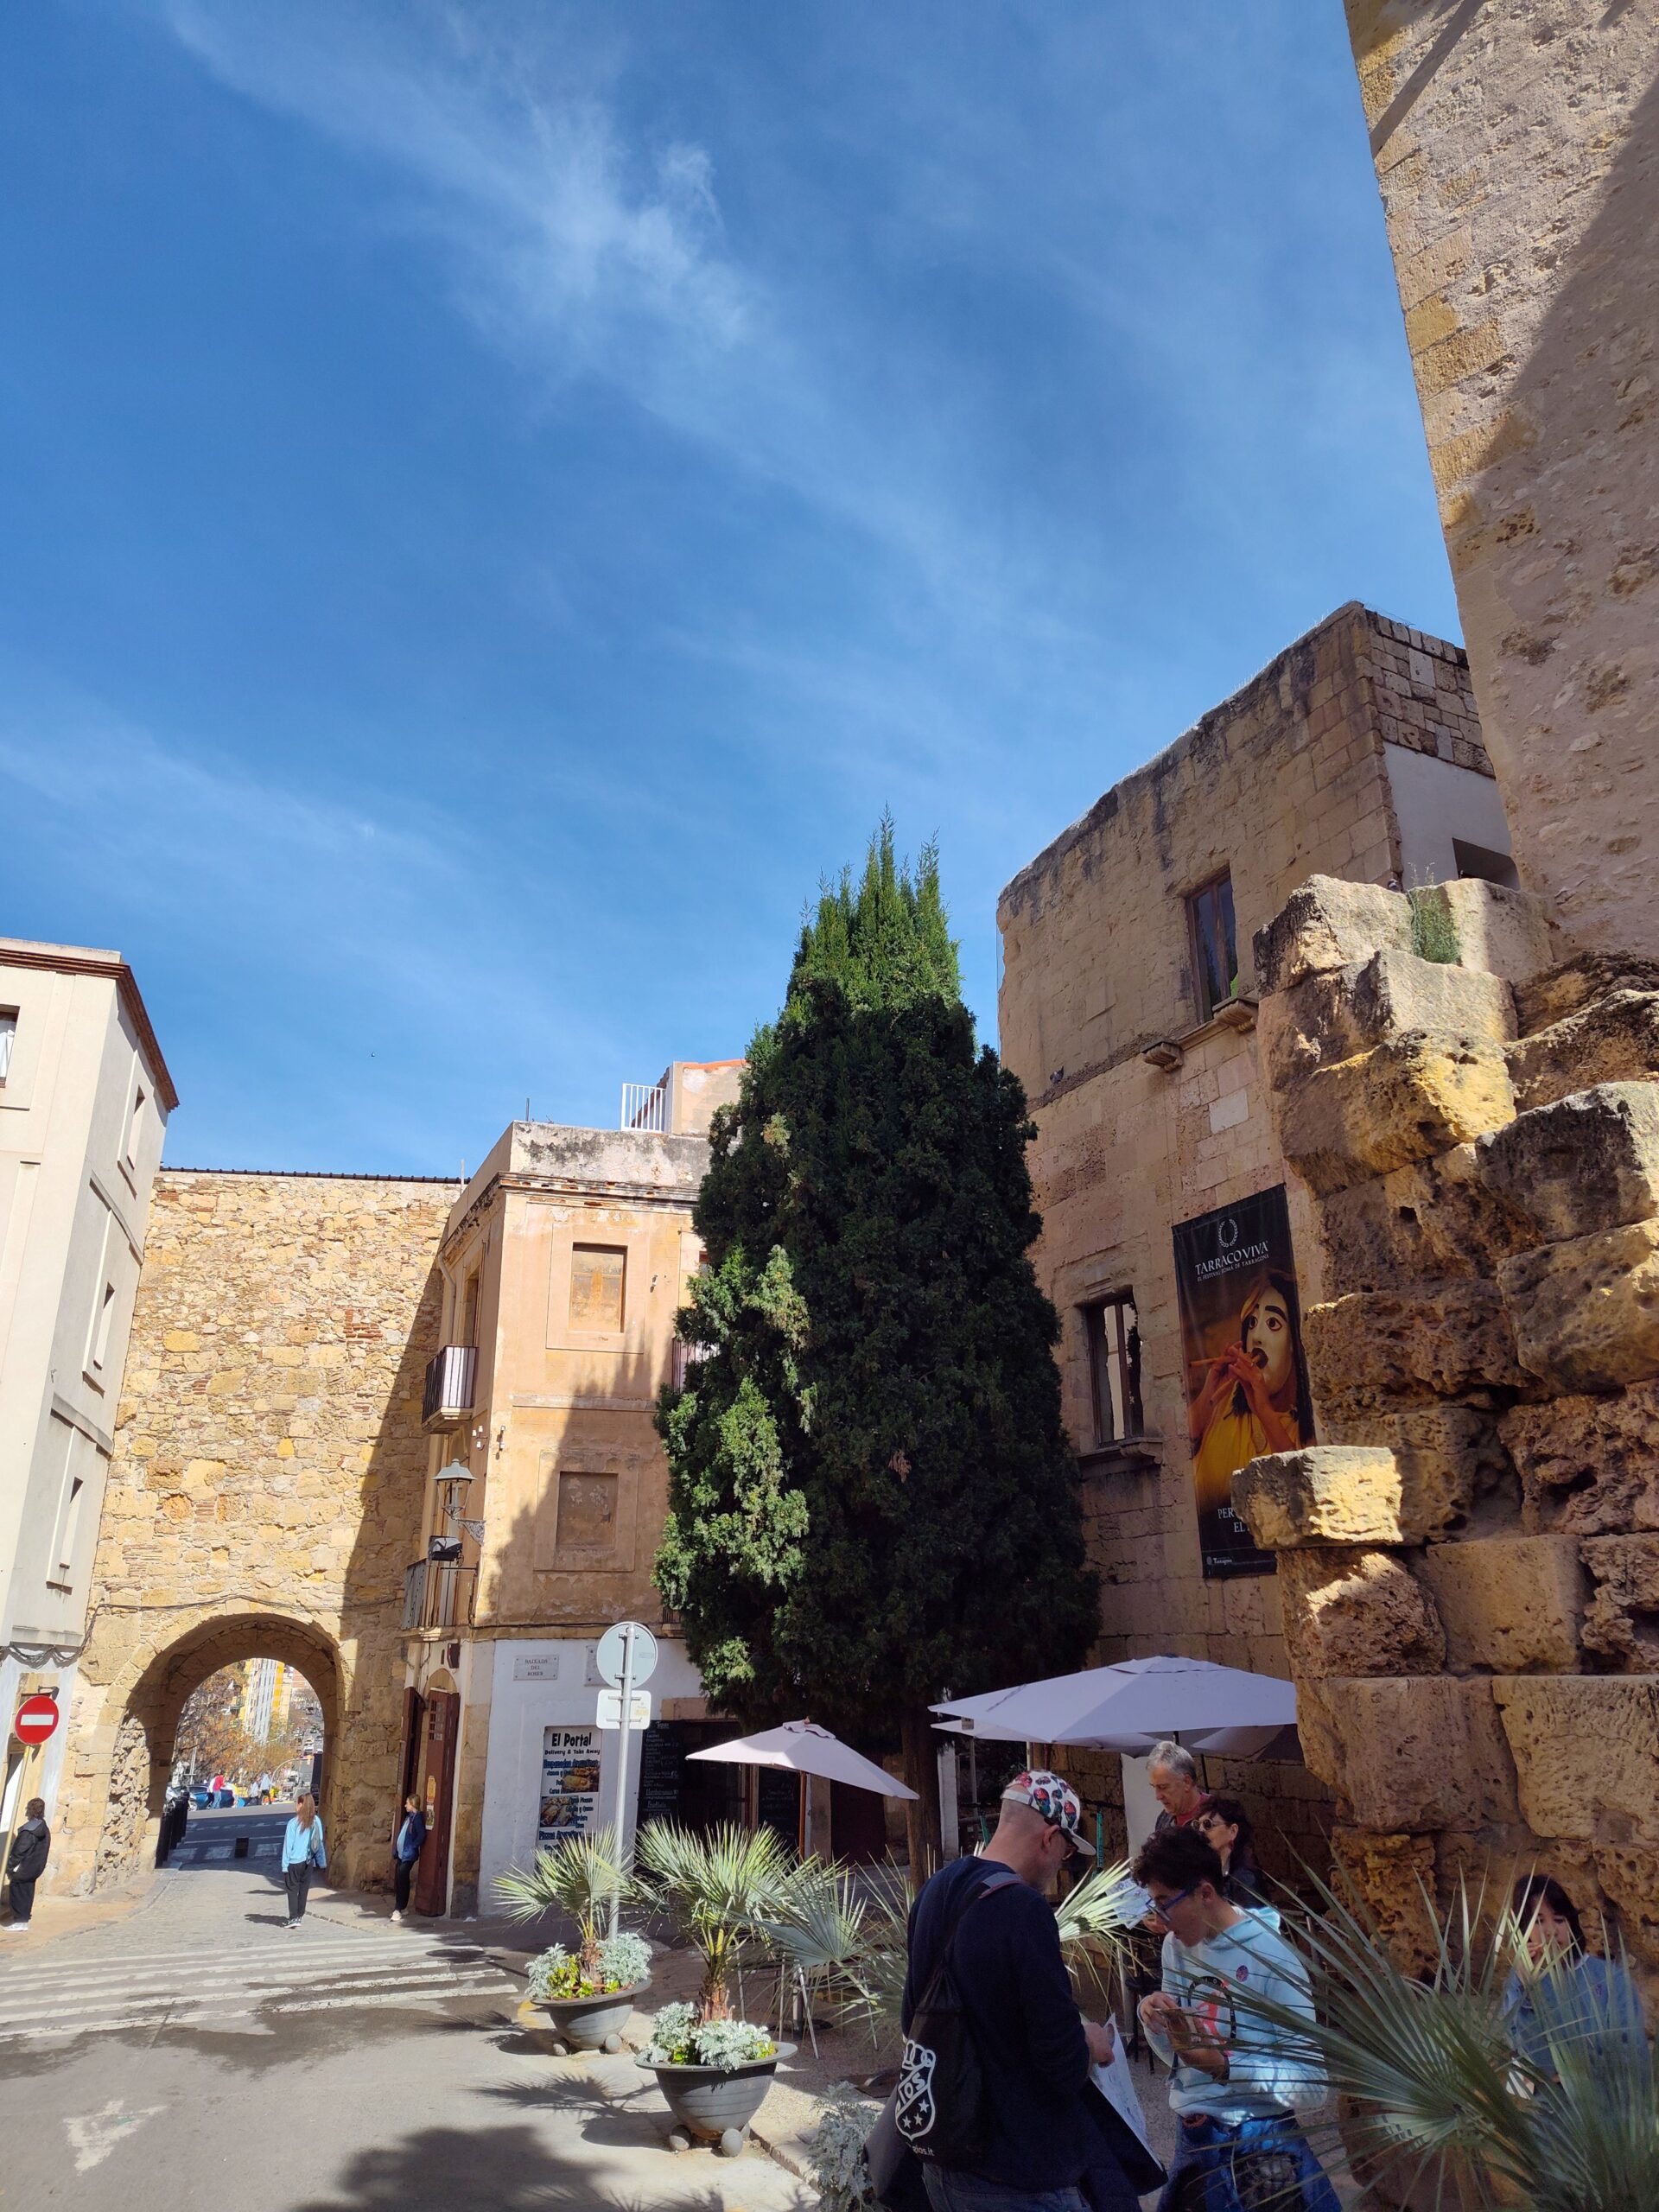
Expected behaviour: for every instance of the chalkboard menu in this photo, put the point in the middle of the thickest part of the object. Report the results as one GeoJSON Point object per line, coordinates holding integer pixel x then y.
{"type": "Point", "coordinates": [700, 1795]}
{"type": "Point", "coordinates": [661, 1769]}
{"type": "Point", "coordinates": [780, 1802]}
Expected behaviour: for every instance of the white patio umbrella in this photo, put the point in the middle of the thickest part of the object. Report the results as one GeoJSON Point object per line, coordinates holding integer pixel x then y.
{"type": "Point", "coordinates": [804, 1748]}
{"type": "Point", "coordinates": [1130, 1706]}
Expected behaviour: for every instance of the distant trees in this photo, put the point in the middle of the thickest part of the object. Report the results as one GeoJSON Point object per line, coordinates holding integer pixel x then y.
{"type": "Point", "coordinates": [213, 1739]}
{"type": "Point", "coordinates": [871, 1499]}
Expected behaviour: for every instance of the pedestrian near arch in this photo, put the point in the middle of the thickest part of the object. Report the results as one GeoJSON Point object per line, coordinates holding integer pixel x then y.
{"type": "Point", "coordinates": [303, 1853]}
{"type": "Point", "coordinates": [405, 1851]}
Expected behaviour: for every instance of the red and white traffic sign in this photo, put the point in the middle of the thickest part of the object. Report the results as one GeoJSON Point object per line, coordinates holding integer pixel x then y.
{"type": "Point", "coordinates": [35, 1720]}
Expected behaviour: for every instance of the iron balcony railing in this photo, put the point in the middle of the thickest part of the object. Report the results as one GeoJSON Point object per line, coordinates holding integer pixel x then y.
{"type": "Point", "coordinates": [437, 1594]}
{"type": "Point", "coordinates": [450, 1377]}
{"type": "Point", "coordinates": [645, 1106]}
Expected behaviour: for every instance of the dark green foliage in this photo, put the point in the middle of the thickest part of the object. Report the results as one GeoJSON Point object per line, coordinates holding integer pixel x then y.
{"type": "Point", "coordinates": [872, 1500]}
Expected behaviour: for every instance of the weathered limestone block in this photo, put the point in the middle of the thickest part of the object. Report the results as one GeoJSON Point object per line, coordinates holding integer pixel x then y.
{"type": "Point", "coordinates": [1404, 1347]}
{"type": "Point", "coordinates": [1577, 983]}
{"type": "Point", "coordinates": [1503, 931]}
{"type": "Point", "coordinates": [1588, 1465]}
{"type": "Point", "coordinates": [1410, 1757]}
{"type": "Point", "coordinates": [1336, 1494]}
{"type": "Point", "coordinates": [1586, 1752]}
{"type": "Point", "coordinates": [1451, 1463]}
{"type": "Point", "coordinates": [1350, 1611]}
{"type": "Point", "coordinates": [1622, 1620]}
{"type": "Point", "coordinates": [1329, 923]}
{"type": "Point", "coordinates": [1437, 1217]}
{"type": "Point", "coordinates": [1393, 1877]}
{"type": "Point", "coordinates": [1615, 1041]}
{"type": "Point", "coordinates": [1585, 1312]}
{"type": "Point", "coordinates": [1407, 1100]}
{"type": "Point", "coordinates": [1345, 1010]}
{"type": "Point", "coordinates": [1586, 1163]}
{"type": "Point", "coordinates": [1629, 1875]}
{"type": "Point", "coordinates": [1508, 1604]}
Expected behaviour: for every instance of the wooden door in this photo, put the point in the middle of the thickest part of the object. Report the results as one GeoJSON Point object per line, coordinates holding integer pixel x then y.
{"type": "Point", "coordinates": [438, 1785]}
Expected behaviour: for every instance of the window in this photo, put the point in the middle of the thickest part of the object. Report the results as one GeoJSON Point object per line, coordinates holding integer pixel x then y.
{"type": "Point", "coordinates": [134, 1127]}
{"type": "Point", "coordinates": [8, 1039]}
{"type": "Point", "coordinates": [596, 1273]}
{"type": "Point", "coordinates": [1215, 944]}
{"type": "Point", "coordinates": [1478, 861]}
{"type": "Point", "coordinates": [469, 1311]}
{"type": "Point", "coordinates": [1114, 1348]}
{"type": "Point", "coordinates": [105, 1325]}
{"type": "Point", "coordinates": [69, 1528]}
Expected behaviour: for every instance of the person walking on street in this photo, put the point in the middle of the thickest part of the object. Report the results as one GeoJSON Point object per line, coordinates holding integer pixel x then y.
{"type": "Point", "coordinates": [405, 1850]}
{"type": "Point", "coordinates": [25, 1863]}
{"type": "Point", "coordinates": [302, 1850]}
{"type": "Point", "coordinates": [1035, 2047]}
{"type": "Point", "coordinates": [1237, 2083]}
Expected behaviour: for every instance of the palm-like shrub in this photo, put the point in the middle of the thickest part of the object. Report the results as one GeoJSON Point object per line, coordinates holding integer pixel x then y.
{"type": "Point", "coordinates": [722, 1890]}
{"type": "Point", "coordinates": [1434, 2084]}
{"type": "Point", "coordinates": [582, 1875]}
{"type": "Point", "coordinates": [1096, 1920]}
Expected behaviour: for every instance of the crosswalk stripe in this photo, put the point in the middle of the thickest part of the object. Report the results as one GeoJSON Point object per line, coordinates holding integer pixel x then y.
{"type": "Point", "coordinates": [227, 1980]}
{"type": "Point", "coordinates": [310, 1968]}
{"type": "Point", "coordinates": [138, 2009]}
{"type": "Point", "coordinates": [204, 2013]}
{"type": "Point", "coordinates": [416, 1943]}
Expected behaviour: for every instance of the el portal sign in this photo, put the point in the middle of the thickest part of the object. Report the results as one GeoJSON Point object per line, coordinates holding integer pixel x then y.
{"type": "Point", "coordinates": [35, 1720]}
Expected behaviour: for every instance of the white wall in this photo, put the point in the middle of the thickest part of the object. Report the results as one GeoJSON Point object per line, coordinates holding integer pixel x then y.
{"type": "Point", "coordinates": [521, 1708]}
{"type": "Point", "coordinates": [1435, 802]}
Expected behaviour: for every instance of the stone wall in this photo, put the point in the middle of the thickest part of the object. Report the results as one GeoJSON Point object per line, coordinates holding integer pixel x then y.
{"type": "Point", "coordinates": [1517, 152]}
{"type": "Point", "coordinates": [1469, 1581]}
{"type": "Point", "coordinates": [265, 1495]}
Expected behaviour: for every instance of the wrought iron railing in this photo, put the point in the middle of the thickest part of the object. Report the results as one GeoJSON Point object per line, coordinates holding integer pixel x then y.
{"type": "Point", "coordinates": [451, 1376]}
{"type": "Point", "coordinates": [438, 1594]}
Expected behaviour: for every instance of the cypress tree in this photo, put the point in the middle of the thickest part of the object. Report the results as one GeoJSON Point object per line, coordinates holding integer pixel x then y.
{"type": "Point", "coordinates": [872, 1501]}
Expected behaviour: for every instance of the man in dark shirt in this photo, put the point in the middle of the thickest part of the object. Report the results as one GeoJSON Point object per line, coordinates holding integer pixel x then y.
{"type": "Point", "coordinates": [1035, 2048]}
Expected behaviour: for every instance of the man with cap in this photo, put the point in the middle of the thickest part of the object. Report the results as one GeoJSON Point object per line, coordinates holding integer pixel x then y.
{"type": "Point", "coordinates": [1035, 2048]}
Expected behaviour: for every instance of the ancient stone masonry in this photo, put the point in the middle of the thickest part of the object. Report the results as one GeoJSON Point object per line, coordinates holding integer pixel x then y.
{"type": "Point", "coordinates": [1469, 1566]}
{"type": "Point", "coordinates": [265, 1493]}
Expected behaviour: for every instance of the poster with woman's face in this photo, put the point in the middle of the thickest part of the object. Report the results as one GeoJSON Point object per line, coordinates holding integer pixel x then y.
{"type": "Point", "coordinates": [1246, 1377]}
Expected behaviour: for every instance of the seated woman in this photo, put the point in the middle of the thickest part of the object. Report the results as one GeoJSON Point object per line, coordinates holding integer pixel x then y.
{"type": "Point", "coordinates": [1226, 1826]}
{"type": "Point", "coordinates": [1569, 1998]}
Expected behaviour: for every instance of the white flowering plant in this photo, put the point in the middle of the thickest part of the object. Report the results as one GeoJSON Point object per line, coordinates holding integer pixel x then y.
{"type": "Point", "coordinates": [679, 2039]}
{"type": "Point", "coordinates": [618, 1962]}
{"type": "Point", "coordinates": [834, 2156]}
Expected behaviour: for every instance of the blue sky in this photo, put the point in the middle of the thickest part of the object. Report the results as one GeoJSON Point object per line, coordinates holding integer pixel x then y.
{"type": "Point", "coordinates": [499, 499]}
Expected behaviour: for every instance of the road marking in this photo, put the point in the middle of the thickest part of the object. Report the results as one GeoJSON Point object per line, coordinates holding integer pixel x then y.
{"type": "Point", "coordinates": [257, 1986]}
{"type": "Point", "coordinates": [95, 2134]}
{"type": "Point", "coordinates": [205, 2015]}
{"type": "Point", "coordinates": [307, 1951]}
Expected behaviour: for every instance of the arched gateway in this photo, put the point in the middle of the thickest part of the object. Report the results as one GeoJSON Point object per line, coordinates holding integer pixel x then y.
{"type": "Point", "coordinates": [264, 1496]}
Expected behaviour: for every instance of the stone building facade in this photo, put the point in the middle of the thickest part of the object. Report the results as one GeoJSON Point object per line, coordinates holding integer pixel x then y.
{"type": "Point", "coordinates": [1517, 152]}
{"type": "Point", "coordinates": [267, 1482]}
{"type": "Point", "coordinates": [1358, 751]}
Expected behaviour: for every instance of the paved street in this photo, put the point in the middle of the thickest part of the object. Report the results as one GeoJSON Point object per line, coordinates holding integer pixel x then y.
{"type": "Point", "coordinates": [197, 2048]}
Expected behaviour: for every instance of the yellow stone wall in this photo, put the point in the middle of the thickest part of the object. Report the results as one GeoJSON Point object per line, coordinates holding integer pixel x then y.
{"type": "Point", "coordinates": [266, 1492]}
{"type": "Point", "coordinates": [1517, 153]}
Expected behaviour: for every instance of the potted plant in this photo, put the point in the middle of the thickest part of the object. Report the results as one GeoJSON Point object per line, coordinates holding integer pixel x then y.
{"type": "Point", "coordinates": [589, 1993]}
{"type": "Point", "coordinates": [721, 1889]}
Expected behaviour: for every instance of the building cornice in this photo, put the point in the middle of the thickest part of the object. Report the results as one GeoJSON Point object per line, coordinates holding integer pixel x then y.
{"type": "Point", "coordinates": [76, 960]}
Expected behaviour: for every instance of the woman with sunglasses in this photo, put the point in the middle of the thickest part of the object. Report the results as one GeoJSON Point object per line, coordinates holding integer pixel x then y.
{"type": "Point", "coordinates": [1226, 1827]}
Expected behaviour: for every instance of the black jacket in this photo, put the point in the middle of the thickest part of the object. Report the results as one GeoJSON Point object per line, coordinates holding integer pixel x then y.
{"type": "Point", "coordinates": [30, 1846]}
{"type": "Point", "coordinates": [1025, 2022]}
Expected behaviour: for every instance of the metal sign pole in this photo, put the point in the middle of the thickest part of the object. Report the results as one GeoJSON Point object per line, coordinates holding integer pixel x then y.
{"type": "Point", "coordinates": [624, 1736]}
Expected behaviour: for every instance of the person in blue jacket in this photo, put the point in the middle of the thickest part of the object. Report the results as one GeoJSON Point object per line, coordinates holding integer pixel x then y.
{"type": "Point", "coordinates": [302, 1851]}
{"type": "Point", "coordinates": [1568, 1997]}
{"type": "Point", "coordinates": [405, 1850]}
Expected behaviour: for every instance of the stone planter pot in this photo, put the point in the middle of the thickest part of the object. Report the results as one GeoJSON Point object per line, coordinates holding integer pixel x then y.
{"type": "Point", "coordinates": [588, 2023]}
{"type": "Point", "coordinates": [711, 2102]}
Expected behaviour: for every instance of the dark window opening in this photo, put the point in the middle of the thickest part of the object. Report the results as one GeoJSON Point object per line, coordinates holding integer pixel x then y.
{"type": "Point", "coordinates": [1215, 944]}
{"type": "Point", "coordinates": [1113, 1347]}
{"type": "Point", "coordinates": [1481, 861]}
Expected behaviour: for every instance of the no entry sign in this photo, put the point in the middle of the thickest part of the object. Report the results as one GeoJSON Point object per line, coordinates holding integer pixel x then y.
{"type": "Point", "coordinates": [36, 1719]}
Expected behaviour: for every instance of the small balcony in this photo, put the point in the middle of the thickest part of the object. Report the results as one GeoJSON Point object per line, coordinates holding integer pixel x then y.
{"type": "Point", "coordinates": [450, 1378]}
{"type": "Point", "coordinates": [438, 1594]}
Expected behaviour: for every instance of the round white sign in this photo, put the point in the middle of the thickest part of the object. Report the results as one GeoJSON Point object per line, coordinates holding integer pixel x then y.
{"type": "Point", "coordinates": [609, 1657]}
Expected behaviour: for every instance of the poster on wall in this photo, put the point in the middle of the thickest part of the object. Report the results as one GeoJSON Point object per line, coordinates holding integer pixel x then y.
{"type": "Point", "coordinates": [569, 1803]}
{"type": "Point", "coordinates": [1244, 1370]}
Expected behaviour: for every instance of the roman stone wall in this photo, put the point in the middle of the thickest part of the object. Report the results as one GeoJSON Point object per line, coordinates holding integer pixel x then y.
{"type": "Point", "coordinates": [1517, 153]}
{"type": "Point", "coordinates": [1466, 1562]}
{"type": "Point", "coordinates": [265, 1494]}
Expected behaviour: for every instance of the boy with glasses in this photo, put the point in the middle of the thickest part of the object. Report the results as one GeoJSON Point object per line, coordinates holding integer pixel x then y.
{"type": "Point", "coordinates": [1237, 2081]}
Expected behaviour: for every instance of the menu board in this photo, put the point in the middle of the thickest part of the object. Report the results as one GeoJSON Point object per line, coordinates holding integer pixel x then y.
{"type": "Point", "coordinates": [569, 1798]}
{"type": "Point", "coordinates": [780, 1794]}
{"type": "Point", "coordinates": [662, 1772]}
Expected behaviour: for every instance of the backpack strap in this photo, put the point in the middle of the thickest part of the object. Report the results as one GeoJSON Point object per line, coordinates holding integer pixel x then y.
{"type": "Point", "coordinates": [1005, 1878]}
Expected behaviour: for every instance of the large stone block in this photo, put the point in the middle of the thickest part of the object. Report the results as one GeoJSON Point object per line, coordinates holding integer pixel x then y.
{"type": "Point", "coordinates": [1407, 1100]}
{"type": "Point", "coordinates": [1336, 1494]}
{"type": "Point", "coordinates": [1410, 1757]}
{"type": "Point", "coordinates": [1586, 1163]}
{"type": "Point", "coordinates": [1453, 1465]}
{"type": "Point", "coordinates": [1329, 923]}
{"type": "Point", "coordinates": [1393, 1877]}
{"type": "Point", "coordinates": [1577, 984]}
{"type": "Point", "coordinates": [1437, 1217]}
{"type": "Point", "coordinates": [1352, 1611]}
{"type": "Point", "coordinates": [1588, 1465]}
{"type": "Point", "coordinates": [1505, 932]}
{"type": "Point", "coordinates": [1586, 1754]}
{"type": "Point", "coordinates": [1621, 1622]}
{"type": "Point", "coordinates": [1511, 1604]}
{"type": "Point", "coordinates": [1345, 1010]}
{"type": "Point", "coordinates": [1615, 1041]}
{"type": "Point", "coordinates": [1585, 1312]}
{"type": "Point", "coordinates": [1403, 1347]}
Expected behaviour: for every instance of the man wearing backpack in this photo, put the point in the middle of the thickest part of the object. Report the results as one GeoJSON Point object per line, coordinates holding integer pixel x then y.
{"type": "Point", "coordinates": [991, 2097]}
